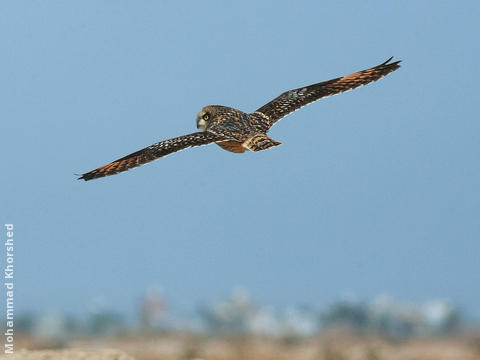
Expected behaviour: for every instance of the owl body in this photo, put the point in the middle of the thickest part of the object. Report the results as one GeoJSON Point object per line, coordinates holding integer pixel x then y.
{"type": "Point", "coordinates": [236, 131]}
{"type": "Point", "coordinates": [234, 126]}
{"type": "Point", "coordinates": [225, 121]}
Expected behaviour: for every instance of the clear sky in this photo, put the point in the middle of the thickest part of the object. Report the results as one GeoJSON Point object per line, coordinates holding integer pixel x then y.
{"type": "Point", "coordinates": [375, 191]}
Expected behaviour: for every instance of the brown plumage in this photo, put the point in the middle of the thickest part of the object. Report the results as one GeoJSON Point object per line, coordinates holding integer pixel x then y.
{"type": "Point", "coordinates": [151, 153]}
{"type": "Point", "coordinates": [236, 131]}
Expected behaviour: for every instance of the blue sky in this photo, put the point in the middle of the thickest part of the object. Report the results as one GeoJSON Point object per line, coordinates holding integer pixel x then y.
{"type": "Point", "coordinates": [372, 192]}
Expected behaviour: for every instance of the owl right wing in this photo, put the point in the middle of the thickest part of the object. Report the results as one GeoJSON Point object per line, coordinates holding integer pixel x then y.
{"type": "Point", "coordinates": [151, 153]}
{"type": "Point", "coordinates": [293, 100]}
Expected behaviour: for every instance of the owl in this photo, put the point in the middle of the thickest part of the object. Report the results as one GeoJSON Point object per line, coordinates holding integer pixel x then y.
{"type": "Point", "coordinates": [236, 131]}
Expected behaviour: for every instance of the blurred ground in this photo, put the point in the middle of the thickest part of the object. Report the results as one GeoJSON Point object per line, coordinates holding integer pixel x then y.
{"type": "Point", "coordinates": [330, 346]}
{"type": "Point", "coordinates": [70, 355]}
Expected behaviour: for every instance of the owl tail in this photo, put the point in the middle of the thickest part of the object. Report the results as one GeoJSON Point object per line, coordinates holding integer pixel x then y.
{"type": "Point", "coordinates": [259, 142]}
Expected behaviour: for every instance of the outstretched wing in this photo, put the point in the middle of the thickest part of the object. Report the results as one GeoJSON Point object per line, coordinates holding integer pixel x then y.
{"type": "Point", "coordinates": [295, 99]}
{"type": "Point", "coordinates": [153, 152]}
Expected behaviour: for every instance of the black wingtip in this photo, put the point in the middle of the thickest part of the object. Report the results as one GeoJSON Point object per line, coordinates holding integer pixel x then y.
{"type": "Point", "coordinates": [395, 63]}
{"type": "Point", "coordinates": [82, 177]}
{"type": "Point", "coordinates": [386, 62]}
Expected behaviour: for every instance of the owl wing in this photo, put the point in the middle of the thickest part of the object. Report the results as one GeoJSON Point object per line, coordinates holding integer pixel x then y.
{"type": "Point", "coordinates": [151, 153]}
{"type": "Point", "coordinates": [293, 100]}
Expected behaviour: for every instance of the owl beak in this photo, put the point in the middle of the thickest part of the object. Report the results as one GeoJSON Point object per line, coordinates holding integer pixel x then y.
{"type": "Point", "coordinates": [201, 124]}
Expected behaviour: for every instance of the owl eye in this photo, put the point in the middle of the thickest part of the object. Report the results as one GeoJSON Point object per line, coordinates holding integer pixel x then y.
{"type": "Point", "coordinates": [205, 117]}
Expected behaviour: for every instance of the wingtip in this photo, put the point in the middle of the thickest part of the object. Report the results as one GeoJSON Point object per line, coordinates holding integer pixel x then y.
{"type": "Point", "coordinates": [386, 62]}
{"type": "Point", "coordinates": [397, 62]}
{"type": "Point", "coordinates": [81, 177]}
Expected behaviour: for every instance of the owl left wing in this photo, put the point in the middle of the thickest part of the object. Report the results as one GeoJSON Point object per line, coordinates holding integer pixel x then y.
{"type": "Point", "coordinates": [151, 153]}
{"type": "Point", "coordinates": [293, 100]}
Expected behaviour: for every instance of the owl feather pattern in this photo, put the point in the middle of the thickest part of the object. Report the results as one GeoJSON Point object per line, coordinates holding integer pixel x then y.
{"type": "Point", "coordinates": [236, 131]}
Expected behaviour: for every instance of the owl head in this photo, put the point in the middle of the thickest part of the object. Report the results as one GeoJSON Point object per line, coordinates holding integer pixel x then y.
{"type": "Point", "coordinates": [212, 114]}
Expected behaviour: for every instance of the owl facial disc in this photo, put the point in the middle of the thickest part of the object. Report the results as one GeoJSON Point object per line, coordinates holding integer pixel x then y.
{"type": "Point", "coordinates": [201, 124]}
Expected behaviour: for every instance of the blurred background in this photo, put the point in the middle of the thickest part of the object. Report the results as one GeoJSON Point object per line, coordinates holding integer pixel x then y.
{"type": "Point", "coordinates": [366, 219]}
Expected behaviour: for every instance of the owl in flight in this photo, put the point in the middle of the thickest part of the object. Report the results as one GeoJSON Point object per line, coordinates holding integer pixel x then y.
{"type": "Point", "coordinates": [236, 131]}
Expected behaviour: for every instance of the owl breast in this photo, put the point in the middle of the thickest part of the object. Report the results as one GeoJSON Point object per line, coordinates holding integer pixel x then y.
{"type": "Point", "coordinates": [232, 146]}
